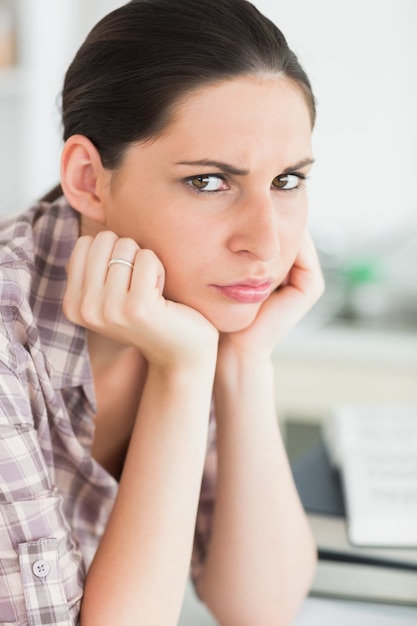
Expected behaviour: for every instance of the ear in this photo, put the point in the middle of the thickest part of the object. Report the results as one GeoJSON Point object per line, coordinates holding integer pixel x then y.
{"type": "Point", "coordinates": [84, 180]}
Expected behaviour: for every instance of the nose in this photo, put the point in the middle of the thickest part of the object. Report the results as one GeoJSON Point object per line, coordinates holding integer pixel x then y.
{"type": "Point", "coordinates": [256, 228]}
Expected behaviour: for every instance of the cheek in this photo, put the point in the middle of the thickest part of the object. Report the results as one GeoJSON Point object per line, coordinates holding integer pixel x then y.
{"type": "Point", "coordinates": [189, 269]}
{"type": "Point", "coordinates": [291, 236]}
{"type": "Point", "coordinates": [184, 252]}
{"type": "Point", "coordinates": [180, 267]}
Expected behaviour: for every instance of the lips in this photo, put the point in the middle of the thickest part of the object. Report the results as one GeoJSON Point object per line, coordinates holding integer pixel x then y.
{"type": "Point", "coordinates": [246, 292]}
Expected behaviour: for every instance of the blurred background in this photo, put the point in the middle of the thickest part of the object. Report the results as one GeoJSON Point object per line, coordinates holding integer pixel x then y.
{"type": "Point", "coordinates": [360, 342]}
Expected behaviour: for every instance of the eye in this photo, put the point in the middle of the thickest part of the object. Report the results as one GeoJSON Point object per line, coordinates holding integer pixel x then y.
{"type": "Point", "coordinates": [207, 182]}
{"type": "Point", "coordinates": [288, 181]}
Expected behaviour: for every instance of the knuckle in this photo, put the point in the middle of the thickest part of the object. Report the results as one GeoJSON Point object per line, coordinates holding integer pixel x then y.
{"type": "Point", "coordinates": [146, 255]}
{"type": "Point", "coordinates": [88, 312]}
{"type": "Point", "coordinates": [106, 237]}
{"type": "Point", "coordinates": [112, 315]}
{"type": "Point", "coordinates": [136, 311]}
{"type": "Point", "coordinates": [128, 241]}
{"type": "Point", "coordinates": [68, 307]}
{"type": "Point", "coordinates": [126, 247]}
{"type": "Point", "coordinates": [149, 260]}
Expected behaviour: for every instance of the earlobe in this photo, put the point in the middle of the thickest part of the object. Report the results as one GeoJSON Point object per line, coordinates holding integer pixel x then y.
{"type": "Point", "coordinates": [83, 178]}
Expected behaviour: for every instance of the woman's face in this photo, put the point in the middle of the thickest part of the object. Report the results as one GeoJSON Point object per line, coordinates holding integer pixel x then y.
{"type": "Point", "coordinates": [220, 195]}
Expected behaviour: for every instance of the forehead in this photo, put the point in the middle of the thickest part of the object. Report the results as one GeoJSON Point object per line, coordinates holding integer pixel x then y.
{"type": "Point", "coordinates": [270, 89]}
{"type": "Point", "coordinates": [243, 114]}
{"type": "Point", "coordinates": [253, 123]}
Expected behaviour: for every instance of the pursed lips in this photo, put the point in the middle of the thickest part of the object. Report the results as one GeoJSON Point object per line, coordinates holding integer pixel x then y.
{"type": "Point", "coordinates": [247, 290]}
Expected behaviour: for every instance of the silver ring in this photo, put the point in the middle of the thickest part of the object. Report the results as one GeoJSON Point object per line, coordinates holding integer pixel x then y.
{"type": "Point", "coordinates": [122, 262]}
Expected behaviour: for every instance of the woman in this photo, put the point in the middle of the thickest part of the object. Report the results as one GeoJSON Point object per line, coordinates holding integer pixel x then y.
{"type": "Point", "coordinates": [145, 299]}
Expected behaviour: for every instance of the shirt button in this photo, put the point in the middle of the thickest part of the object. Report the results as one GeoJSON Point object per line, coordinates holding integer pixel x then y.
{"type": "Point", "coordinates": [40, 569]}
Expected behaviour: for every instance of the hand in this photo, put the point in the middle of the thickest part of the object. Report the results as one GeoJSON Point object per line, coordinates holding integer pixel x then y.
{"type": "Point", "coordinates": [128, 306]}
{"type": "Point", "coordinates": [285, 307]}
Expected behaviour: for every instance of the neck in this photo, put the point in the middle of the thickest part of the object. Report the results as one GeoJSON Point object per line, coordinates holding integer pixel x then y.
{"type": "Point", "coordinates": [90, 227]}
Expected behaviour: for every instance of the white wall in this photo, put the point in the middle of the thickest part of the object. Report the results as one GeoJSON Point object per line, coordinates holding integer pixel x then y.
{"type": "Point", "coordinates": [361, 57]}
{"type": "Point", "coordinates": [46, 36]}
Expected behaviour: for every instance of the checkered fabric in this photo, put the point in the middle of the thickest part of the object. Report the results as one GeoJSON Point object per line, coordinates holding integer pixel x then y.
{"type": "Point", "coordinates": [55, 499]}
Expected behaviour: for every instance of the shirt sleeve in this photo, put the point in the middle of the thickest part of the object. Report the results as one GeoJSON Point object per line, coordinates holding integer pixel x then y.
{"type": "Point", "coordinates": [206, 505]}
{"type": "Point", "coordinates": [41, 567]}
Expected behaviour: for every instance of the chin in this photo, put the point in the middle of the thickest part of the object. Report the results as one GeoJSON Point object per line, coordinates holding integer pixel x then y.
{"type": "Point", "coordinates": [233, 323]}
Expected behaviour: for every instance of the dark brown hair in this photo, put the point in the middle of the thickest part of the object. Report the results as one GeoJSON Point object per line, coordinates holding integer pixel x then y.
{"type": "Point", "coordinates": [141, 59]}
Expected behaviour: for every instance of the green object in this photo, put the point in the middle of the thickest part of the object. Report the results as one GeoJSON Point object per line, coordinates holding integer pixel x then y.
{"type": "Point", "coordinates": [362, 272]}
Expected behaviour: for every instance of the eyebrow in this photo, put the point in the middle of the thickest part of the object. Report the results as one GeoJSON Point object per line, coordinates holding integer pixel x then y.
{"type": "Point", "coordinates": [225, 167]}
{"type": "Point", "coordinates": [298, 166]}
{"type": "Point", "coordinates": [234, 171]}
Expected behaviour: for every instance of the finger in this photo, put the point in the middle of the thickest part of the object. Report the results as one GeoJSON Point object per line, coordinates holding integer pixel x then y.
{"type": "Point", "coordinates": [148, 275]}
{"type": "Point", "coordinates": [306, 274]}
{"type": "Point", "coordinates": [300, 291]}
{"type": "Point", "coordinates": [78, 261]}
{"type": "Point", "coordinates": [142, 304]}
{"type": "Point", "coordinates": [76, 278]}
{"type": "Point", "coordinates": [307, 255]}
{"type": "Point", "coordinates": [119, 273]}
{"type": "Point", "coordinates": [98, 260]}
{"type": "Point", "coordinates": [90, 260]}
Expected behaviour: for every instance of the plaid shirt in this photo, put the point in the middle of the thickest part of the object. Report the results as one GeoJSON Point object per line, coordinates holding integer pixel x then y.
{"type": "Point", "coordinates": [55, 499]}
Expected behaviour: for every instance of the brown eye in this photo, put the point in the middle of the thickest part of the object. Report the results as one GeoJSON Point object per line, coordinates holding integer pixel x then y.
{"type": "Point", "coordinates": [199, 182]}
{"type": "Point", "coordinates": [207, 183]}
{"type": "Point", "coordinates": [287, 181]}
